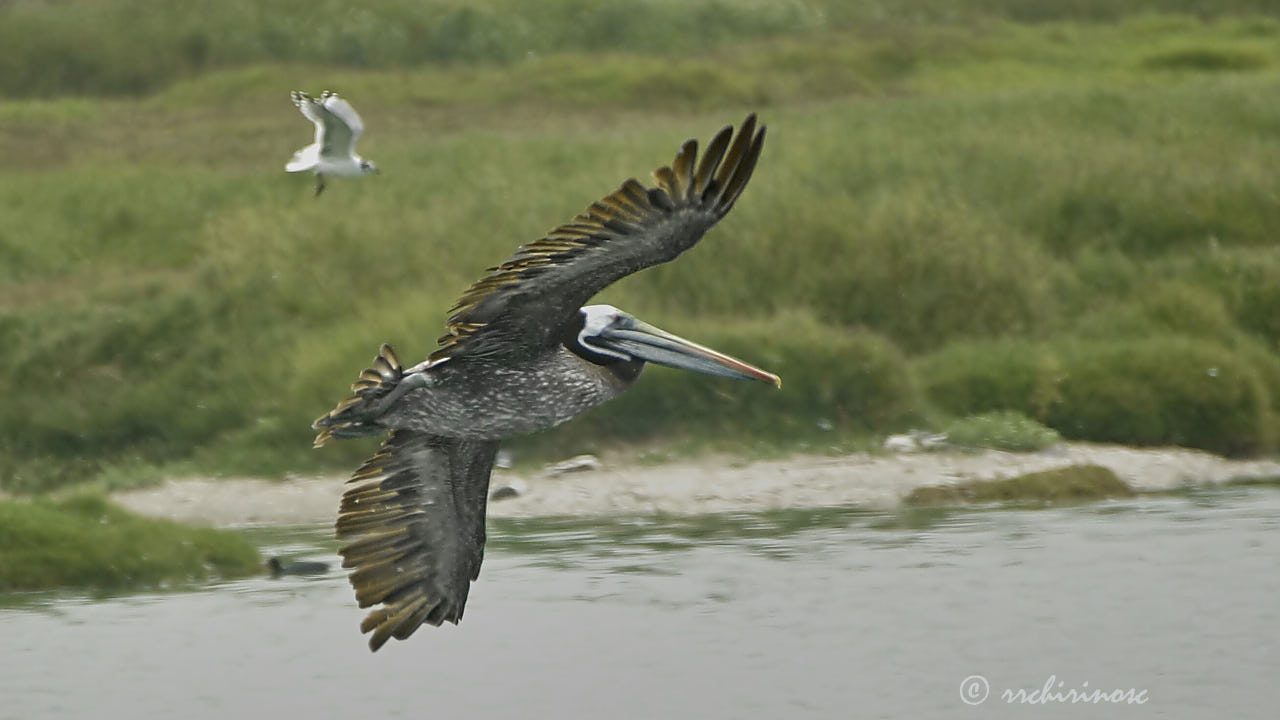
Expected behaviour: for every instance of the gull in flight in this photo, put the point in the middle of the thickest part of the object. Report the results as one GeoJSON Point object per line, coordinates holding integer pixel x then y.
{"type": "Point", "coordinates": [338, 127]}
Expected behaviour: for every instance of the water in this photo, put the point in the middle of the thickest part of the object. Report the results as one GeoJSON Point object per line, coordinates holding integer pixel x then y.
{"type": "Point", "coordinates": [830, 614]}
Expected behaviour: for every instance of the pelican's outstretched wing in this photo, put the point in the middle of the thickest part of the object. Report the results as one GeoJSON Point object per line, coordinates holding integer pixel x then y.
{"type": "Point", "coordinates": [415, 514]}
{"type": "Point", "coordinates": [520, 307]}
{"type": "Point", "coordinates": [337, 124]}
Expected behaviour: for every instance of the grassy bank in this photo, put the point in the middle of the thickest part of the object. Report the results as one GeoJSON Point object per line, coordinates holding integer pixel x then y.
{"type": "Point", "coordinates": [1067, 485]}
{"type": "Point", "coordinates": [139, 46]}
{"type": "Point", "coordinates": [86, 543]}
{"type": "Point", "coordinates": [1072, 216]}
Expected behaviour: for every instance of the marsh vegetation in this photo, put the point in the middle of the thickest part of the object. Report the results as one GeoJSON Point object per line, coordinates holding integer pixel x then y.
{"type": "Point", "coordinates": [1066, 210]}
{"type": "Point", "coordinates": [1066, 485]}
{"type": "Point", "coordinates": [83, 541]}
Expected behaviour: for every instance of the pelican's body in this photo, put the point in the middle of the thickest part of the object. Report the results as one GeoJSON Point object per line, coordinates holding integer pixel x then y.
{"type": "Point", "coordinates": [522, 353]}
{"type": "Point", "coordinates": [490, 400]}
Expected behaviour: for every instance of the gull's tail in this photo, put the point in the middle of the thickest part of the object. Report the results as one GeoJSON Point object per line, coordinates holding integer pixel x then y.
{"type": "Point", "coordinates": [305, 159]}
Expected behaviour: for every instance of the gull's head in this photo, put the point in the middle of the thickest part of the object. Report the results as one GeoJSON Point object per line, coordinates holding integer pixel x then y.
{"type": "Point", "coordinates": [368, 168]}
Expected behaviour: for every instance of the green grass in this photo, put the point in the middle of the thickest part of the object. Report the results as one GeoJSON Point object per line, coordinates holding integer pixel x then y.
{"type": "Point", "coordinates": [1072, 484]}
{"type": "Point", "coordinates": [1060, 209]}
{"type": "Point", "coordinates": [1000, 430]}
{"type": "Point", "coordinates": [1158, 390]}
{"type": "Point", "coordinates": [1268, 481]}
{"type": "Point", "coordinates": [139, 46]}
{"type": "Point", "coordinates": [86, 543]}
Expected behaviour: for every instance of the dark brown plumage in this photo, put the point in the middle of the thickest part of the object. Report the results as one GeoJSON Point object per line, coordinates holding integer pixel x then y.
{"type": "Point", "coordinates": [520, 305]}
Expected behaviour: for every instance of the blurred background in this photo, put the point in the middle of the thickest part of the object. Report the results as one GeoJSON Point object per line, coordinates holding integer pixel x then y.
{"type": "Point", "coordinates": [1020, 219]}
{"type": "Point", "coordinates": [1063, 209]}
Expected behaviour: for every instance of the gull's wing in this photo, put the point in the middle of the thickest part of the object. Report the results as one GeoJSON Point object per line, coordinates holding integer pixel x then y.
{"type": "Point", "coordinates": [416, 513]}
{"type": "Point", "coordinates": [343, 113]}
{"type": "Point", "coordinates": [312, 110]}
{"type": "Point", "coordinates": [337, 124]}
{"type": "Point", "coordinates": [519, 308]}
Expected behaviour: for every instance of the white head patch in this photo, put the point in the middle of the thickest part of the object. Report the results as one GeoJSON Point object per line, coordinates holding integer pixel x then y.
{"type": "Point", "coordinates": [596, 319]}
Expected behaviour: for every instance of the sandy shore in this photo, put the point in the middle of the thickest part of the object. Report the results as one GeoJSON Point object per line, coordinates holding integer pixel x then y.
{"type": "Point", "coordinates": [700, 486]}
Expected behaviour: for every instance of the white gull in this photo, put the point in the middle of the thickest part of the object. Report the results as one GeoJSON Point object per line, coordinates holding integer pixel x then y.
{"type": "Point", "coordinates": [338, 127]}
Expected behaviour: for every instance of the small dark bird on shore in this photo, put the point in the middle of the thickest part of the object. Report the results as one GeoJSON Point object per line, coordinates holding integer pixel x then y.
{"type": "Point", "coordinates": [280, 567]}
{"type": "Point", "coordinates": [521, 352]}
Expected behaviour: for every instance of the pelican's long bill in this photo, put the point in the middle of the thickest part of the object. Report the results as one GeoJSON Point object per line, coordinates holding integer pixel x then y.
{"type": "Point", "coordinates": [646, 342]}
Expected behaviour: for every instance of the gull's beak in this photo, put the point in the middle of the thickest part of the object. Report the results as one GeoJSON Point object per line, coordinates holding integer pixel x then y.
{"type": "Point", "coordinates": [646, 342]}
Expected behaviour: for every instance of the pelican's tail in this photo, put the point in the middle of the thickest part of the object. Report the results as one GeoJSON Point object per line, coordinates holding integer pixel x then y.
{"type": "Point", "coordinates": [351, 417]}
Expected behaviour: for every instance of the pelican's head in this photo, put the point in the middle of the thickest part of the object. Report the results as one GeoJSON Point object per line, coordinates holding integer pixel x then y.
{"type": "Point", "coordinates": [612, 333]}
{"type": "Point", "coordinates": [368, 168]}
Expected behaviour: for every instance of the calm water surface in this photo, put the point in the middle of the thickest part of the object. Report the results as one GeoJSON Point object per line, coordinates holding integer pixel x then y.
{"type": "Point", "coordinates": [831, 613]}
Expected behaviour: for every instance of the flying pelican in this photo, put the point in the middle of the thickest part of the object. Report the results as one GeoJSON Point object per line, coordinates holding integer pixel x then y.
{"type": "Point", "coordinates": [338, 127]}
{"type": "Point", "coordinates": [521, 353]}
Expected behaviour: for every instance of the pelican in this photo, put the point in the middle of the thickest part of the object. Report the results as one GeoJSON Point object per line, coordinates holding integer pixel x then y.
{"type": "Point", "coordinates": [520, 353]}
{"type": "Point", "coordinates": [338, 127]}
